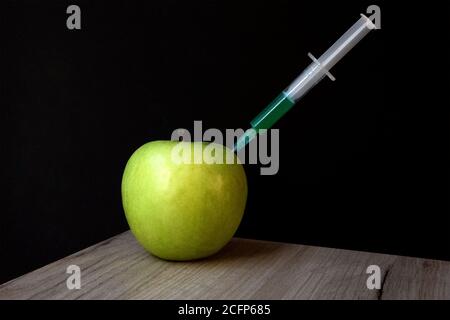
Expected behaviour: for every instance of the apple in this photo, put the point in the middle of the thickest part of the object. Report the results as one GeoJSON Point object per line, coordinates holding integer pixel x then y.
{"type": "Point", "coordinates": [182, 211]}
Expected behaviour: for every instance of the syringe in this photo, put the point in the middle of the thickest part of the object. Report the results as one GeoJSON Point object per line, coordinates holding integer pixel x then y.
{"type": "Point", "coordinates": [312, 75]}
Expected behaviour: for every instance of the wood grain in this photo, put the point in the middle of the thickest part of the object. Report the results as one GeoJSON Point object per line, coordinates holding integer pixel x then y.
{"type": "Point", "coordinates": [119, 268]}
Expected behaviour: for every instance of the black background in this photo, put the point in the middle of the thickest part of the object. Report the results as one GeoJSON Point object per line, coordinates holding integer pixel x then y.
{"type": "Point", "coordinates": [363, 160]}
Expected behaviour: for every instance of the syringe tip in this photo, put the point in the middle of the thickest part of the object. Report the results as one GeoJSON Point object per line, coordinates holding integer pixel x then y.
{"type": "Point", "coordinates": [244, 139]}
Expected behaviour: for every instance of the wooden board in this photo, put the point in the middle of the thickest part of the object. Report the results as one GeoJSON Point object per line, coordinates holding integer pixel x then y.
{"type": "Point", "coordinates": [119, 268]}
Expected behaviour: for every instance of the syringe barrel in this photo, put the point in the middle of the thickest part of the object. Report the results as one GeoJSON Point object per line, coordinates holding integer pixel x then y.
{"type": "Point", "coordinates": [315, 72]}
{"type": "Point", "coordinates": [346, 42]}
{"type": "Point", "coordinates": [319, 68]}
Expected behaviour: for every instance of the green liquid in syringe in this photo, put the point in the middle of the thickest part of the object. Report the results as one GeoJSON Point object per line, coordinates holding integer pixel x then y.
{"type": "Point", "coordinates": [273, 112]}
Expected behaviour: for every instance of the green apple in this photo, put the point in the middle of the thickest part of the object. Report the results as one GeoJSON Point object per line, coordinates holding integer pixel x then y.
{"type": "Point", "coordinates": [182, 211]}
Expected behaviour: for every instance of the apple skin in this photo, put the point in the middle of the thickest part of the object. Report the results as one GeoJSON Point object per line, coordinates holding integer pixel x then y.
{"type": "Point", "coordinates": [181, 211]}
